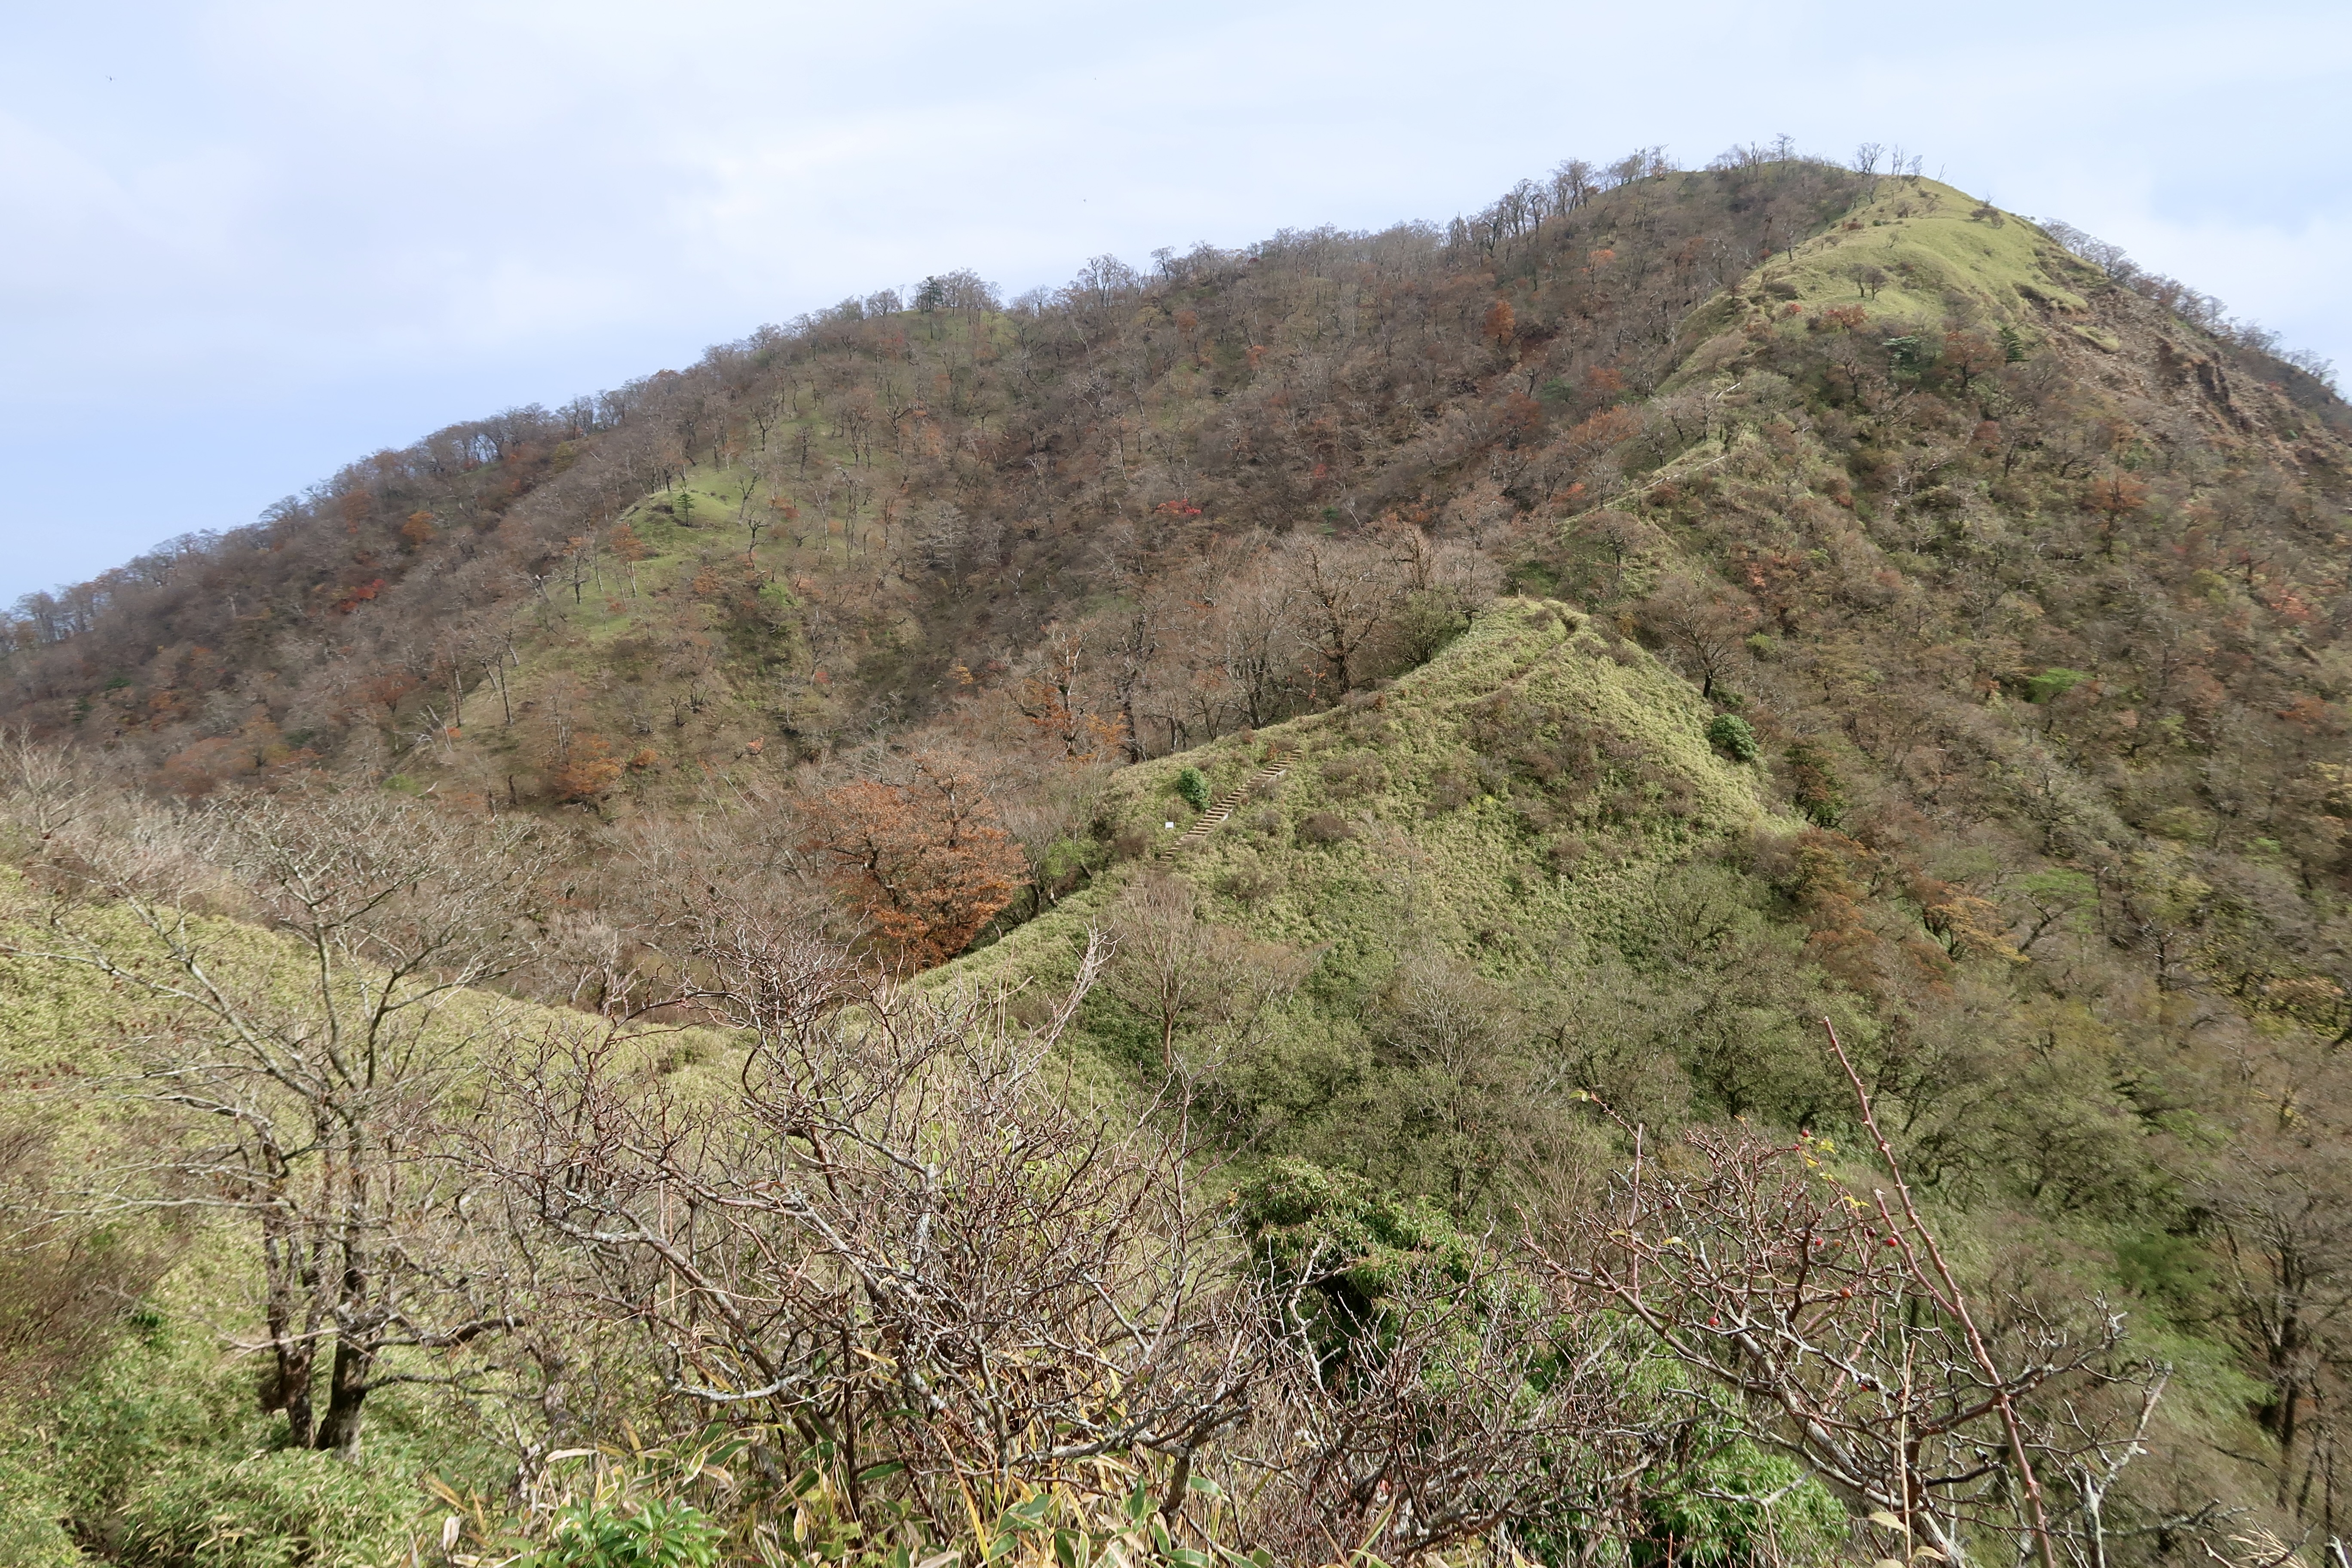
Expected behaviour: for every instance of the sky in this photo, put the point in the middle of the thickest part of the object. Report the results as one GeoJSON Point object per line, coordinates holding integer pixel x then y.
{"type": "Point", "coordinates": [252, 240]}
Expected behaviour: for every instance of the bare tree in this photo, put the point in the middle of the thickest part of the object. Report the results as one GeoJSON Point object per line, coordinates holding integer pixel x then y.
{"type": "Point", "coordinates": [311, 1067]}
{"type": "Point", "coordinates": [897, 1235]}
{"type": "Point", "coordinates": [44, 790]}
{"type": "Point", "coordinates": [2275, 1205]}
{"type": "Point", "coordinates": [1203, 987]}
{"type": "Point", "coordinates": [1705, 626]}
{"type": "Point", "coordinates": [1838, 1320]}
{"type": "Point", "coordinates": [1257, 619]}
{"type": "Point", "coordinates": [1346, 594]}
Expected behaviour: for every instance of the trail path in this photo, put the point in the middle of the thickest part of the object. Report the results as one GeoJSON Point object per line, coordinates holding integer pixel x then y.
{"type": "Point", "coordinates": [1224, 804]}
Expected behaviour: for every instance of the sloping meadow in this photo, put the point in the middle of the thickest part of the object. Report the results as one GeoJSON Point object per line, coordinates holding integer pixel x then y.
{"type": "Point", "coordinates": [1517, 872]}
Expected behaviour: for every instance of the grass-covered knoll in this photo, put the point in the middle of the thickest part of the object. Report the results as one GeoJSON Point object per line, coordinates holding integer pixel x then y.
{"type": "Point", "coordinates": [1525, 785]}
{"type": "Point", "coordinates": [1913, 249]}
{"type": "Point", "coordinates": [1517, 872]}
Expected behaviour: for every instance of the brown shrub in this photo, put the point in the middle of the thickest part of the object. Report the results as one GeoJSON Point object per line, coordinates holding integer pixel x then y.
{"type": "Point", "coordinates": [1323, 828]}
{"type": "Point", "coordinates": [1450, 790]}
{"type": "Point", "coordinates": [1565, 854]}
{"type": "Point", "coordinates": [1357, 774]}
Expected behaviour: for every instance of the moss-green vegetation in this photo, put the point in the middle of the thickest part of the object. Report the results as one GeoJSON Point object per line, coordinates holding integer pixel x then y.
{"type": "Point", "coordinates": [129, 1333]}
{"type": "Point", "coordinates": [1914, 247]}
{"type": "Point", "coordinates": [1534, 827]}
{"type": "Point", "coordinates": [154, 1454]}
{"type": "Point", "coordinates": [1526, 784]}
{"type": "Point", "coordinates": [2011, 741]}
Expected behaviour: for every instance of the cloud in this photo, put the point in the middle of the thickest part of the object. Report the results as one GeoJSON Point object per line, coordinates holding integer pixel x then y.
{"type": "Point", "coordinates": [284, 233]}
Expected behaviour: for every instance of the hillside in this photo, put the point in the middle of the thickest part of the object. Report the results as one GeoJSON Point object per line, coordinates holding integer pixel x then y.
{"type": "Point", "coordinates": [247, 1060]}
{"type": "Point", "coordinates": [1629, 626]}
{"type": "Point", "coordinates": [1532, 829]}
{"type": "Point", "coordinates": [904, 491]}
{"type": "Point", "coordinates": [136, 1313]}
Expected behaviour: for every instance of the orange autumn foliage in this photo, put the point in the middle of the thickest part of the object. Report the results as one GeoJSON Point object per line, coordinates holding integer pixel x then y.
{"type": "Point", "coordinates": [585, 771]}
{"type": "Point", "coordinates": [1501, 324]}
{"type": "Point", "coordinates": [2115, 495]}
{"type": "Point", "coordinates": [924, 864]}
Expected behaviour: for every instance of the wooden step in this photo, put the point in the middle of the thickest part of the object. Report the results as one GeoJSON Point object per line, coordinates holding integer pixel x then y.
{"type": "Point", "coordinates": [1226, 804]}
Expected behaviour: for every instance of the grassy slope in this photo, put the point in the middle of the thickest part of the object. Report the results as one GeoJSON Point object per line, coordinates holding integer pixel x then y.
{"type": "Point", "coordinates": [1945, 267]}
{"type": "Point", "coordinates": [1482, 879]}
{"type": "Point", "coordinates": [627, 640]}
{"type": "Point", "coordinates": [621, 641]}
{"type": "Point", "coordinates": [1931, 252]}
{"type": "Point", "coordinates": [1475, 882]}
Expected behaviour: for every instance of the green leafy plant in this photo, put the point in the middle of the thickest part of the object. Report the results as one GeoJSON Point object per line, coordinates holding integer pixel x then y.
{"type": "Point", "coordinates": [1814, 785]}
{"type": "Point", "coordinates": [658, 1532]}
{"type": "Point", "coordinates": [266, 1510]}
{"type": "Point", "coordinates": [31, 1533]}
{"type": "Point", "coordinates": [1194, 786]}
{"type": "Point", "coordinates": [1734, 736]}
{"type": "Point", "coordinates": [2052, 682]}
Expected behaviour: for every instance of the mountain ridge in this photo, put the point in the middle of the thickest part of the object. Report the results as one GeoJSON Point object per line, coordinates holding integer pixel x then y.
{"type": "Point", "coordinates": [1701, 607]}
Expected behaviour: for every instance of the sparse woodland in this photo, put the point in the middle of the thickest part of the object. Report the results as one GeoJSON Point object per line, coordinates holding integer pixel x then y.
{"type": "Point", "coordinates": [1763, 977]}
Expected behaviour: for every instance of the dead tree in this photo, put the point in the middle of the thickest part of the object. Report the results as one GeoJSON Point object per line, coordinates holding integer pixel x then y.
{"type": "Point", "coordinates": [1836, 1319]}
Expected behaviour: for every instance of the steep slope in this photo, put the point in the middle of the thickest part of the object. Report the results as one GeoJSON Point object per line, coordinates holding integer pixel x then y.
{"type": "Point", "coordinates": [172, 1181]}
{"type": "Point", "coordinates": [2031, 589]}
{"type": "Point", "coordinates": [842, 512]}
{"type": "Point", "coordinates": [1527, 845]}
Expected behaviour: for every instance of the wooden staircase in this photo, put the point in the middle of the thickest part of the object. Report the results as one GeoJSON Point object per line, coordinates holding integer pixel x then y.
{"type": "Point", "coordinates": [1224, 804]}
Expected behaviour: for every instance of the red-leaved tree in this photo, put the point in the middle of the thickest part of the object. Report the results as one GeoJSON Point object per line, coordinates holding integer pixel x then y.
{"type": "Point", "coordinates": [925, 863]}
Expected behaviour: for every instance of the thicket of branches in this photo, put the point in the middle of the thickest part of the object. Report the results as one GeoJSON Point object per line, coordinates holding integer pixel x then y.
{"type": "Point", "coordinates": [874, 1239]}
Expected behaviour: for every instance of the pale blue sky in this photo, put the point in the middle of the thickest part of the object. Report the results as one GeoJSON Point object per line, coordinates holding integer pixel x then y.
{"type": "Point", "coordinates": [249, 240]}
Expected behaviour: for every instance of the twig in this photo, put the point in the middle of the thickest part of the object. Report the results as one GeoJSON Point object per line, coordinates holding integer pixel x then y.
{"type": "Point", "coordinates": [2038, 1519]}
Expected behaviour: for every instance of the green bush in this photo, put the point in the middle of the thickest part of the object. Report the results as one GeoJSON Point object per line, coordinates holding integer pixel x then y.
{"type": "Point", "coordinates": [656, 1534]}
{"type": "Point", "coordinates": [1814, 785]}
{"type": "Point", "coordinates": [1298, 1217]}
{"type": "Point", "coordinates": [2052, 682]}
{"type": "Point", "coordinates": [1735, 736]}
{"type": "Point", "coordinates": [1714, 1514]}
{"type": "Point", "coordinates": [1066, 863]}
{"type": "Point", "coordinates": [1194, 786]}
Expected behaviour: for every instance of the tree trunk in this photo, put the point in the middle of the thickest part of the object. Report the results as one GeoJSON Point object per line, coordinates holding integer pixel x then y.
{"type": "Point", "coordinates": [338, 1430]}
{"type": "Point", "coordinates": [286, 1384]}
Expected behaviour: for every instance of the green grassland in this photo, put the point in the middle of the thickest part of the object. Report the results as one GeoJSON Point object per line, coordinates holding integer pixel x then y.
{"type": "Point", "coordinates": [1445, 840]}
{"type": "Point", "coordinates": [1913, 251]}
